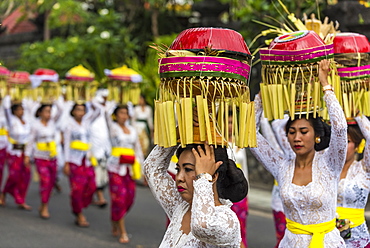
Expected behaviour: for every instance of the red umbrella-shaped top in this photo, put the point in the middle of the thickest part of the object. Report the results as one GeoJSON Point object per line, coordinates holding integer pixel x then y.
{"type": "Point", "coordinates": [296, 41]}
{"type": "Point", "coordinates": [351, 43]}
{"type": "Point", "coordinates": [216, 38]}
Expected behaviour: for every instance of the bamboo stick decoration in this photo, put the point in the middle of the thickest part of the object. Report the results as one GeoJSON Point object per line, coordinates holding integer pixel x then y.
{"type": "Point", "coordinates": [206, 84]}
{"type": "Point", "coordinates": [352, 55]}
{"type": "Point", "coordinates": [309, 86]}
{"type": "Point", "coordinates": [227, 109]}
{"type": "Point", "coordinates": [18, 84]}
{"type": "Point", "coordinates": [78, 78]}
{"type": "Point", "coordinates": [292, 99]}
{"type": "Point", "coordinates": [290, 75]}
{"type": "Point", "coordinates": [157, 122]}
{"type": "Point", "coordinates": [201, 118]}
{"type": "Point", "coordinates": [208, 123]}
{"type": "Point", "coordinates": [235, 124]}
{"type": "Point", "coordinates": [180, 124]}
{"type": "Point", "coordinates": [124, 82]}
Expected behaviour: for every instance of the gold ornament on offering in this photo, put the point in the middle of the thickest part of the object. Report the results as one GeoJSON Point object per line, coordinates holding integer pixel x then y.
{"type": "Point", "coordinates": [123, 85]}
{"type": "Point", "coordinates": [204, 76]}
{"type": "Point", "coordinates": [352, 84]}
{"type": "Point", "coordinates": [18, 86]}
{"type": "Point", "coordinates": [80, 84]}
{"type": "Point", "coordinates": [45, 85]}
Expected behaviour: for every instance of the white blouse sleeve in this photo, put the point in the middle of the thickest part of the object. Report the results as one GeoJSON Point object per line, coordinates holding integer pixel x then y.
{"type": "Point", "coordinates": [67, 140]}
{"type": "Point", "coordinates": [30, 147]}
{"type": "Point", "coordinates": [258, 110]}
{"type": "Point", "coordinates": [160, 182]}
{"type": "Point", "coordinates": [90, 117]}
{"type": "Point", "coordinates": [269, 157]}
{"type": "Point", "coordinates": [210, 224]}
{"type": "Point", "coordinates": [59, 111]}
{"type": "Point", "coordinates": [335, 155]}
{"type": "Point", "coordinates": [7, 111]}
{"type": "Point", "coordinates": [268, 133]}
{"type": "Point", "coordinates": [278, 126]}
{"type": "Point", "coordinates": [364, 125]}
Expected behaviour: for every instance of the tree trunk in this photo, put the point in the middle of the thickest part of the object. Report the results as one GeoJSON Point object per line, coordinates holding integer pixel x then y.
{"type": "Point", "coordinates": [155, 22]}
{"type": "Point", "coordinates": [46, 26]}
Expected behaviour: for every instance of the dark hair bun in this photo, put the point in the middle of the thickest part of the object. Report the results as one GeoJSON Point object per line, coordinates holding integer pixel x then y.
{"type": "Point", "coordinates": [324, 136]}
{"type": "Point", "coordinates": [233, 185]}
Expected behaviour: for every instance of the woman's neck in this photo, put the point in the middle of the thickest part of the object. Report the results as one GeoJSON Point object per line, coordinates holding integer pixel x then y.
{"type": "Point", "coordinates": [79, 120]}
{"type": "Point", "coordinates": [20, 118]}
{"type": "Point", "coordinates": [304, 160]}
{"type": "Point", "coordinates": [122, 125]}
{"type": "Point", "coordinates": [346, 166]}
{"type": "Point", "coordinates": [44, 121]}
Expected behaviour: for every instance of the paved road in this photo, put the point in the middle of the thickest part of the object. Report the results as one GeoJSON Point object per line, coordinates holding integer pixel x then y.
{"type": "Point", "coordinates": [145, 224]}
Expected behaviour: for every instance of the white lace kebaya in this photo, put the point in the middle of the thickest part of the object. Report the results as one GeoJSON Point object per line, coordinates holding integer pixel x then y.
{"type": "Point", "coordinates": [354, 189]}
{"type": "Point", "coordinates": [211, 226]}
{"type": "Point", "coordinates": [315, 202]}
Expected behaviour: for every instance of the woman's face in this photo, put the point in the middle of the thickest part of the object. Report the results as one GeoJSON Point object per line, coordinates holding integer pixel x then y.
{"type": "Point", "coordinates": [301, 137]}
{"type": "Point", "coordinates": [19, 111]}
{"type": "Point", "coordinates": [122, 116]}
{"type": "Point", "coordinates": [185, 175]}
{"type": "Point", "coordinates": [351, 150]}
{"type": "Point", "coordinates": [141, 101]}
{"type": "Point", "coordinates": [79, 112]}
{"type": "Point", "coordinates": [45, 113]}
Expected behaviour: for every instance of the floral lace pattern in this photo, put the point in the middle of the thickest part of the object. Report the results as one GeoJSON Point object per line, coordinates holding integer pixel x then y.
{"type": "Point", "coordinates": [316, 202]}
{"type": "Point", "coordinates": [211, 226]}
{"type": "Point", "coordinates": [353, 190]}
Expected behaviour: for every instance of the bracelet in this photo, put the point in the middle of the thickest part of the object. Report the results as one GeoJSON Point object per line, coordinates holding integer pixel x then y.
{"type": "Point", "coordinates": [327, 87]}
{"type": "Point", "coordinates": [204, 175]}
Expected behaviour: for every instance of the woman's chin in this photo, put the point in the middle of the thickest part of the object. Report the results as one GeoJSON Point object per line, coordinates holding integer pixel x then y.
{"type": "Point", "coordinates": [186, 198]}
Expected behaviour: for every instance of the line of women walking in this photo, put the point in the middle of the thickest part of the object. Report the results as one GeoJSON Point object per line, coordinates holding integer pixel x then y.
{"type": "Point", "coordinates": [25, 138]}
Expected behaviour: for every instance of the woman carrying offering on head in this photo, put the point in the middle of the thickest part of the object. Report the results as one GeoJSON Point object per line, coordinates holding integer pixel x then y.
{"type": "Point", "coordinates": [309, 181]}
{"type": "Point", "coordinates": [19, 172]}
{"type": "Point", "coordinates": [124, 165]}
{"type": "Point", "coordinates": [43, 148]}
{"type": "Point", "coordinates": [354, 186]}
{"type": "Point", "coordinates": [79, 160]}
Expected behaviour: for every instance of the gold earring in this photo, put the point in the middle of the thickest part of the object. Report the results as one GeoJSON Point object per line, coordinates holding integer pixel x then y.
{"type": "Point", "coordinates": [317, 140]}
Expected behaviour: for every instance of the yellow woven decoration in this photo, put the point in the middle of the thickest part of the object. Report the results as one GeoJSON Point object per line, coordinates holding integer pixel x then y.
{"type": "Point", "coordinates": [123, 85]}
{"type": "Point", "coordinates": [201, 88]}
{"type": "Point", "coordinates": [80, 84]}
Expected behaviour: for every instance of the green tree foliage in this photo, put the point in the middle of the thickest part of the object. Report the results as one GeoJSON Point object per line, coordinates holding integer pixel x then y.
{"type": "Point", "coordinates": [104, 44]}
{"type": "Point", "coordinates": [149, 67]}
{"type": "Point", "coordinates": [270, 11]}
{"type": "Point", "coordinates": [106, 34]}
